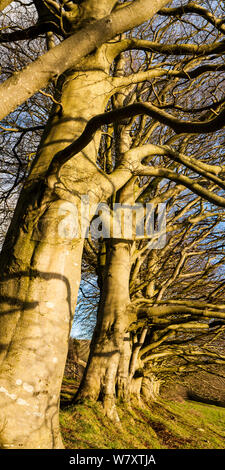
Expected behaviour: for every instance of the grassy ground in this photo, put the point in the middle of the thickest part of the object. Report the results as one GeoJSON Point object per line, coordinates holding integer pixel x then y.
{"type": "Point", "coordinates": [162, 425]}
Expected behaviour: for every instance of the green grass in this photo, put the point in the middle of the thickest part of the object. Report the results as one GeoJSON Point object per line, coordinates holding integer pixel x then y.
{"type": "Point", "coordinates": [163, 425]}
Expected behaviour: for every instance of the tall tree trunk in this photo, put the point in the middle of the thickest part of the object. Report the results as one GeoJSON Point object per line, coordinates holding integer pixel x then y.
{"type": "Point", "coordinates": [40, 271]}
{"type": "Point", "coordinates": [150, 387]}
{"type": "Point", "coordinates": [112, 321]}
{"type": "Point", "coordinates": [123, 389]}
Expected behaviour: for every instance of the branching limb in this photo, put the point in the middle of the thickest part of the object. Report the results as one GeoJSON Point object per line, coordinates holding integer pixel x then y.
{"type": "Point", "coordinates": [193, 7]}
{"type": "Point", "coordinates": [133, 110]}
{"type": "Point", "coordinates": [192, 184]}
{"type": "Point", "coordinates": [29, 33]}
{"type": "Point", "coordinates": [168, 49]}
{"type": "Point", "coordinates": [164, 310]}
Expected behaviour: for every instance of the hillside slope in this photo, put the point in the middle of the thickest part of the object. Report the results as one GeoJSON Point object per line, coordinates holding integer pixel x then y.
{"type": "Point", "coordinates": [162, 425]}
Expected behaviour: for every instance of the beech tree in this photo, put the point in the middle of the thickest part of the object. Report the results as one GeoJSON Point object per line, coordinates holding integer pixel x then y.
{"type": "Point", "coordinates": [169, 307]}
{"type": "Point", "coordinates": [161, 298]}
{"type": "Point", "coordinates": [40, 263]}
{"type": "Point", "coordinates": [112, 363]}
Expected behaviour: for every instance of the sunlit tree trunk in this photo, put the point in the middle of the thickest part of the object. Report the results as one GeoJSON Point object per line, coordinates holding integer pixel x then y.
{"type": "Point", "coordinates": [122, 381]}
{"type": "Point", "coordinates": [114, 370]}
{"type": "Point", "coordinates": [112, 321]}
{"type": "Point", "coordinates": [40, 270]}
{"type": "Point", "coordinates": [150, 388]}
